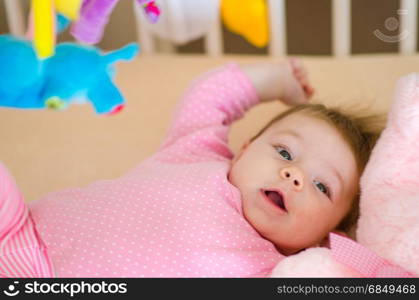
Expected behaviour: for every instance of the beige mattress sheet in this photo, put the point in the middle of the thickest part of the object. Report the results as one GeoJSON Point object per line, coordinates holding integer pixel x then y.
{"type": "Point", "coordinates": [47, 150]}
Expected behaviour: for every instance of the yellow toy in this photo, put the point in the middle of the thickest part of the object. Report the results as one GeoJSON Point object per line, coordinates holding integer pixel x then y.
{"type": "Point", "coordinates": [43, 22]}
{"type": "Point", "coordinates": [69, 8]}
{"type": "Point", "coordinates": [247, 18]}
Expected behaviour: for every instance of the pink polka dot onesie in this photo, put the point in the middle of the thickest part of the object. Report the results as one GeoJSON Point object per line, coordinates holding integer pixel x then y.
{"type": "Point", "coordinates": [174, 215]}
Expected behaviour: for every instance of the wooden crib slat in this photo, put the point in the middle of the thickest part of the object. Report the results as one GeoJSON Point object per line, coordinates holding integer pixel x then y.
{"type": "Point", "coordinates": [277, 28]}
{"type": "Point", "coordinates": [341, 27]}
{"type": "Point", "coordinates": [214, 40]}
{"type": "Point", "coordinates": [408, 26]}
{"type": "Point", "coordinates": [15, 17]}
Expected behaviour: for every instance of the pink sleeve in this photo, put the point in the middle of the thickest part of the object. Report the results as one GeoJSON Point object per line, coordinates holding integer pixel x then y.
{"type": "Point", "coordinates": [22, 252]}
{"type": "Point", "coordinates": [203, 117]}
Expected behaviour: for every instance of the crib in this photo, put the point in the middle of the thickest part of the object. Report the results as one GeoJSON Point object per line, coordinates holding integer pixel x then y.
{"type": "Point", "coordinates": [48, 150]}
{"type": "Point", "coordinates": [341, 28]}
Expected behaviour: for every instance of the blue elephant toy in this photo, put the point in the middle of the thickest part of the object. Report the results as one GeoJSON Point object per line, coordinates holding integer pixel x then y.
{"type": "Point", "coordinates": [75, 72]}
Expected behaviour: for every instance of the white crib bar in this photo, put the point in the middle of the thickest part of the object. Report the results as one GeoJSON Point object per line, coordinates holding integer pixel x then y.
{"type": "Point", "coordinates": [408, 25]}
{"type": "Point", "coordinates": [145, 38]}
{"type": "Point", "coordinates": [341, 27]}
{"type": "Point", "coordinates": [277, 28]}
{"type": "Point", "coordinates": [214, 39]}
{"type": "Point", "coordinates": [15, 17]}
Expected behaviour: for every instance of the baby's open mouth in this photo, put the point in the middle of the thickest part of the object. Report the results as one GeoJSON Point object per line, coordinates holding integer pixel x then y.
{"type": "Point", "coordinates": [276, 198]}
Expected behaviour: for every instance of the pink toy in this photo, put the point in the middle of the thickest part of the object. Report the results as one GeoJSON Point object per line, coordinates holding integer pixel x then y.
{"type": "Point", "coordinates": [151, 9]}
{"type": "Point", "coordinates": [94, 16]}
{"type": "Point", "coordinates": [388, 228]}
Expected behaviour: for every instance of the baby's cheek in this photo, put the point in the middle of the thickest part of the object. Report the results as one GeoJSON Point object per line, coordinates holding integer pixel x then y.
{"type": "Point", "coordinates": [235, 174]}
{"type": "Point", "coordinates": [243, 172]}
{"type": "Point", "coordinates": [317, 218]}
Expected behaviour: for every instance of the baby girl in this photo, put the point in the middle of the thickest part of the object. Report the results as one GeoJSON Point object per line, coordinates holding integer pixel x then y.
{"type": "Point", "coordinates": [193, 209]}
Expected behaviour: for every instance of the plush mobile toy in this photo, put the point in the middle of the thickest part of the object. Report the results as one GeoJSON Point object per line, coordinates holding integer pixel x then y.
{"type": "Point", "coordinates": [75, 72]}
{"type": "Point", "coordinates": [247, 18]}
{"type": "Point", "coordinates": [94, 16]}
{"type": "Point", "coordinates": [185, 20]}
{"type": "Point", "coordinates": [151, 9]}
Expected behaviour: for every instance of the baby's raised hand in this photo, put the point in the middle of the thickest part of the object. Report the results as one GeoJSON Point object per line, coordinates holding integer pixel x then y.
{"type": "Point", "coordinates": [286, 81]}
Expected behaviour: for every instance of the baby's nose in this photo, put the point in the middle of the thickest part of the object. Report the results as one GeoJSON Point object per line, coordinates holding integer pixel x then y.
{"type": "Point", "coordinates": [294, 176]}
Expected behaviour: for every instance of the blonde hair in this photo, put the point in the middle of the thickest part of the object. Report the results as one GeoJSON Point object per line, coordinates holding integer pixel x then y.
{"type": "Point", "coordinates": [359, 129]}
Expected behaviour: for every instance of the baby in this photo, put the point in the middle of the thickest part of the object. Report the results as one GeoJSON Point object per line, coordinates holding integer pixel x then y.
{"type": "Point", "coordinates": [193, 209]}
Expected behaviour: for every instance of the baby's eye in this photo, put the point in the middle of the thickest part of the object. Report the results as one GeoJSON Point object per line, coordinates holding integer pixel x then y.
{"type": "Point", "coordinates": [284, 153]}
{"type": "Point", "coordinates": [322, 187]}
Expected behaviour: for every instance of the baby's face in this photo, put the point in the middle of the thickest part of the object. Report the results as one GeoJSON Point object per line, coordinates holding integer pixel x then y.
{"type": "Point", "coordinates": [297, 181]}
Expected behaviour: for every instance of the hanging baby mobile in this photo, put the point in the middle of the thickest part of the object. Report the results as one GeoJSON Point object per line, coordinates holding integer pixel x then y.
{"type": "Point", "coordinates": [187, 20]}
{"type": "Point", "coordinates": [37, 74]}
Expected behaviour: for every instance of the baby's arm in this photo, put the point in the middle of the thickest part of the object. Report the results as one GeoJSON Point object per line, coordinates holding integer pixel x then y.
{"type": "Point", "coordinates": [203, 117]}
{"type": "Point", "coordinates": [390, 184]}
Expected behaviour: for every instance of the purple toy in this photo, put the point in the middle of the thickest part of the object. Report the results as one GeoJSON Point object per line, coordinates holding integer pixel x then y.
{"type": "Point", "coordinates": [94, 15]}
